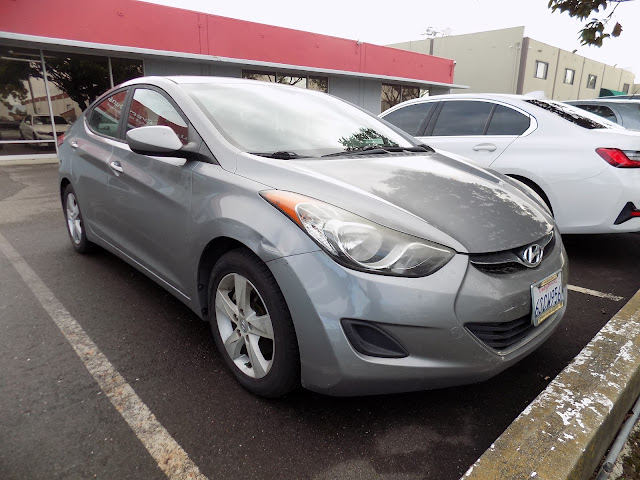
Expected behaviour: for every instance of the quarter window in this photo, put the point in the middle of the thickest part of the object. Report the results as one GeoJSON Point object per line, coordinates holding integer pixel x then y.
{"type": "Point", "coordinates": [149, 108]}
{"type": "Point", "coordinates": [105, 116]}
{"type": "Point", "coordinates": [506, 121]}
{"type": "Point", "coordinates": [462, 118]}
{"type": "Point", "coordinates": [541, 69]}
{"type": "Point", "coordinates": [410, 118]}
{"type": "Point", "coordinates": [591, 81]}
{"type": "Point", "coordinates": [569, 75]}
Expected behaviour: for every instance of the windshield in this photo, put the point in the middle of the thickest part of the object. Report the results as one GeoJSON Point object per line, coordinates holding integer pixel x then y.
{"type": "Point", "coordinates": [263, 118]}
{"type": "Point", "coordinates": [573, 114]}
{"type": "Point", "coordinates": [42, 120]}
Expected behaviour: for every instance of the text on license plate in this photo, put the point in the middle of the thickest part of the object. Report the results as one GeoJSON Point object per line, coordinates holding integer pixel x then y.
{"type": "Point", "coordinates": [546, 298]}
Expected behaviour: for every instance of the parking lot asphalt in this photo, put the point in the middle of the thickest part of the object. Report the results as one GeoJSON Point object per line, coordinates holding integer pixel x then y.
{"type": "Point", "coordinates": [56, 422]}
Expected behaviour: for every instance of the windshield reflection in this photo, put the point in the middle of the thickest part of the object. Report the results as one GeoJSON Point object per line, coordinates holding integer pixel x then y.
{"type": "Point", "coordinates": [259, 117]}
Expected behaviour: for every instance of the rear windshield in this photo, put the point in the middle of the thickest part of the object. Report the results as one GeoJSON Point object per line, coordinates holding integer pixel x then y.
{"type": "Point", "coordinates": [570, 113]}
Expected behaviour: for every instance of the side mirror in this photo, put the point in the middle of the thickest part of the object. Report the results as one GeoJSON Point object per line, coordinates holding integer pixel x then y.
{"type": "Point", "coordinates": [157, 140]}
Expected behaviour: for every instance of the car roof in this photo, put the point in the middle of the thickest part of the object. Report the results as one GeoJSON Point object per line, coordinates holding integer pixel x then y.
{"type": "Point", "coordinates": [193, 79]}
{"type": "Point", "coordinates": [621, 101]}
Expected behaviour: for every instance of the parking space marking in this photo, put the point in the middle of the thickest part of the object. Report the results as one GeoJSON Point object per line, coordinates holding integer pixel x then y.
{"type": "Point", "coordinates": [595, 293]}
{"type": "Point", "coordinates": [169, 456]}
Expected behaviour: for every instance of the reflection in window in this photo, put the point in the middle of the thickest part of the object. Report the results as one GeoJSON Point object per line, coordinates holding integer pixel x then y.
{"type": "Point", "coordinates": [23, 95]}
{"type": "Point", "coordinates": [124, 69]}
{"type": "Point", "coordinates": [591, 81]}
{"type": "Point", "coordinates": [105, 116]}
{"type": "Point", "coordinates": [569, 75]}
{"type": "Point", "coordinates": [149, 108]}
{"type": "Point", "coordinates": [395, 94]}
{"type": "Point", "coordinates": [320, 84]}
{"type": "Point", "coordinates": [82, 77]}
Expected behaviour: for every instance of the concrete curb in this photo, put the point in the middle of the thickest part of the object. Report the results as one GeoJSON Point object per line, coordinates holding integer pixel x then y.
{"type": "Point", "coordinates": [567, 429]}
{"type": "Point", "coordinates": [28, 161]}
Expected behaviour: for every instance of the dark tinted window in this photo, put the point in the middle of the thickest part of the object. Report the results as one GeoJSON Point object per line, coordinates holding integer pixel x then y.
{"type": "Point", "coordinates": [462, 118]}
{"type": "Point", "coordinates": [506, 121]}
{"type": "Point", "coordinates": [410, 117]}
{"type": "Point", "coordinates": [105, 116]}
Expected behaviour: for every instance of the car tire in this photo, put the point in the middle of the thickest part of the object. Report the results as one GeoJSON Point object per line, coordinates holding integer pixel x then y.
{"type": "Point", "coordinates": [254, 334]}
{"type": "Point", "coordinates": [75, 223]}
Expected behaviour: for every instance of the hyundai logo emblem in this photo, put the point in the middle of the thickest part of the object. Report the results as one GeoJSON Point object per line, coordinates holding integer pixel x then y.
{"type": "Point", "coordinates": [532, 255]}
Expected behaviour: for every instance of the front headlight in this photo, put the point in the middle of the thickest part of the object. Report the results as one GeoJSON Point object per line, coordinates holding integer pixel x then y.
{"type": "Point", "coordinates": [358, 243]}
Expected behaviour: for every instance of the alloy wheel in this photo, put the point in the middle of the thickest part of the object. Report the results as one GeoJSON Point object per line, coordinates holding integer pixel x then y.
{"type": "Point", "coordinates": [245, 325]}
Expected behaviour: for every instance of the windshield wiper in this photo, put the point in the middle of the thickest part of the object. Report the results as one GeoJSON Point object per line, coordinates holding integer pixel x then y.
{"type": "Point", "coordinates": [378, 149]}
{"type": "Point", "coordinates": [282, 155]}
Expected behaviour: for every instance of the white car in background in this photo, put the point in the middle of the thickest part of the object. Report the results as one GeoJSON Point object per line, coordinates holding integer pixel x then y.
{"type": "Point", "coordinates": [584, 167]}
{"type": "Point", "coordinates": [38, 127]}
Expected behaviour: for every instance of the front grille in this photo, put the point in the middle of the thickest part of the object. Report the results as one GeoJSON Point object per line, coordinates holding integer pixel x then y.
{"type": "Point", "coordinates": [509, 261]}
{"type": "Point", "coordinates": [502, 335]}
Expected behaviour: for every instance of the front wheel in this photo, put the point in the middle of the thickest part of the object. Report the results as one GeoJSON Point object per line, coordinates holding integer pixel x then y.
{"type": "Point", "coordinates": [252, 326]}
{"type": "Point", "coordinates": [75, 225]}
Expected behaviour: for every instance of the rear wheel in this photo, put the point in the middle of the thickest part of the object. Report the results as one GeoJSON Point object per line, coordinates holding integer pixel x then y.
{"type": "Point", "coordinates": [75, 225]}
{"type": "Point", "coordinates": [252, 326]}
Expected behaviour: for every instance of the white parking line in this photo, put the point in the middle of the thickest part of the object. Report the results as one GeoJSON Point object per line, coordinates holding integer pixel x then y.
{"type": "Point", "coordinates": [170, 457]}
{"type": "Point", "coordinates": [595, 293]}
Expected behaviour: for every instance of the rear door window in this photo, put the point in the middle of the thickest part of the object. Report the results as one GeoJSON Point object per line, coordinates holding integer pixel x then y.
{"type": "Point", "coordinates": [410, 118]}
{"type": "Point", "coordinates": [507, 121]}
{"type": "Point", "coordinates": [458, 118]}
{"type": "Point", "coordinates": [105, 116]}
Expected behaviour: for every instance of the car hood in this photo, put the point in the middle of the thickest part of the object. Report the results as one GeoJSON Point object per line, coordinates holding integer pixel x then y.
{"type": "Point", "coordinates": [481, 210]}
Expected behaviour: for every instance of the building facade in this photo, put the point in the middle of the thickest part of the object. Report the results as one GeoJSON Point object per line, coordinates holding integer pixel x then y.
{"type": "Point", "coordinates": [505, 61]}
{"type": "Point", "coordinates": [53, 65]}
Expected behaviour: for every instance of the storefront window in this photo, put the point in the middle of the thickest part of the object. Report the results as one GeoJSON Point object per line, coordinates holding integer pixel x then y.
{"type": "Point", "coordinates": [25, 123]}
{"type": "Point", "coordinates": [124, 69]}
{"type": "Point", "coordinates": [395, 94]}
{"type": "Point", "coordinates": [320, 84]}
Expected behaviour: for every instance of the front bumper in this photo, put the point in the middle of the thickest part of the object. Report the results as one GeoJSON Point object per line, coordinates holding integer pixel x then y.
{"type": "Point", "coordinates": [427, 316]}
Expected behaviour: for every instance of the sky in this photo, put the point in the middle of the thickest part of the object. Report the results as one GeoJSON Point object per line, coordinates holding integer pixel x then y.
{"type": "Point", "coordinates": [388, 22]}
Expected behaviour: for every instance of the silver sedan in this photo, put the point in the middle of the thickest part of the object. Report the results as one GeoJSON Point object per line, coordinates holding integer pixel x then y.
{"type": "Point", "coordinates": [326, 248]}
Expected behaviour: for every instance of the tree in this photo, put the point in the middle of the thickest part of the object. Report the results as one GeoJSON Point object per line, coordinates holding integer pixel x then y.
{"type": "Point", "coordinates": [595, 30]}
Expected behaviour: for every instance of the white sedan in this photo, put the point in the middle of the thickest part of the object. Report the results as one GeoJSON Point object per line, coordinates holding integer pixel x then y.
{"type": "Point", "coordinates": [585, 168]}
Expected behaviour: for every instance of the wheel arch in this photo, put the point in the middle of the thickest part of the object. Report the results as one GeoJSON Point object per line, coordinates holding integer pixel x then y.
{"type": "Point", "coordinates": [210, 255]}
{"type": "Point", "coordinates": [533, 186]}
{"type": "Point", "coordinates": [63, 185]}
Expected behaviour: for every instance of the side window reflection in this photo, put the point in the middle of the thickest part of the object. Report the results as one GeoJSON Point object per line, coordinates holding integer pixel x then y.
{"type": "Point", "coordinates": [149, 108]}
{"type": "Point", "coordinates": [105, 116]}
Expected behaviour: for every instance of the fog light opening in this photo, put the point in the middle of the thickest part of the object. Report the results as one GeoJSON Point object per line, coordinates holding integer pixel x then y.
{"type": "Point", "coordinates": [369, 339]}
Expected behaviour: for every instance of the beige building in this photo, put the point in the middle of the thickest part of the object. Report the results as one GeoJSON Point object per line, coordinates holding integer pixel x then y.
{"type": "Point", "coordinates": [505, 61]}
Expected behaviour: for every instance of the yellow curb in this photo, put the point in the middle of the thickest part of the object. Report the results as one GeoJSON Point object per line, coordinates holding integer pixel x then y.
{"type": "Point", "coordinates": [567, 429]}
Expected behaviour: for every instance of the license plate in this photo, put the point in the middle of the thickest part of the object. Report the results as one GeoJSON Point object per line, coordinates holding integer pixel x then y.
{"type": "Point", "coordinates": [546, 298]}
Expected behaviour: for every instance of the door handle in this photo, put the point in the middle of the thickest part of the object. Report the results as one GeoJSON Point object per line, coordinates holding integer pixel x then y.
{"type": "Point", "coordinates": [116, 167]}
{"type": "Point", "coordinates": [74, 144]}
{"type": "Point", "coordinates": [485, 147]}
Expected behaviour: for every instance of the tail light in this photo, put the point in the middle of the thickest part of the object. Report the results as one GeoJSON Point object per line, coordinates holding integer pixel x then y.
{"type": "Point", "coordinates": [60, 139]}
{"type": "Point", "coordinates": [620, 158]}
